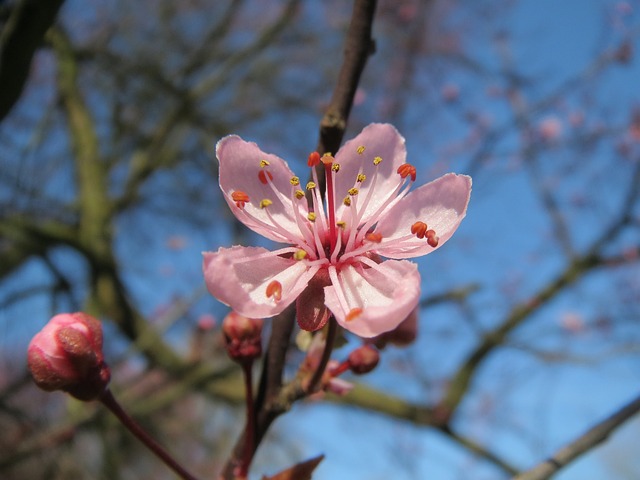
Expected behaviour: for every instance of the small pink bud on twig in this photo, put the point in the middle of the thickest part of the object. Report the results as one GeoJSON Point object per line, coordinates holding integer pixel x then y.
{"type": "Point", "coordinates": [243, 337]}
{"type": "Point", "coordinates": [67, 355]}
{"type": "Point", "coordinates": [363, 359]}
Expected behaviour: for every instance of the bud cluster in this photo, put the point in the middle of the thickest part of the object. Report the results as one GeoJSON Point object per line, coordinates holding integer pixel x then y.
{"type": "Point", "coordinates": [243, 337]}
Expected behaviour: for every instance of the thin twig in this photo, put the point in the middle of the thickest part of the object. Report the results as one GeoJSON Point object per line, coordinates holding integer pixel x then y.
{"type": "Point", "coordinates": [326, 355]}
{"type": "Point", "coordinates": [109, 401]}
{"type": "Point", "coordinates": [584, 443]}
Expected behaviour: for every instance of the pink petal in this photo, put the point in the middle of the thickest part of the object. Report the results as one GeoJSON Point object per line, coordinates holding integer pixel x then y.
{"type": "Point", "coordinates": [239, 170]}
{"type": "Point", "coordinates": [239, 277]}
{"type": "Point", "coordinates": [379, 140]}
{"type": "Point", "coordinates": [386, 294]}
{"type": "Point", "coordinates": [441, 204]}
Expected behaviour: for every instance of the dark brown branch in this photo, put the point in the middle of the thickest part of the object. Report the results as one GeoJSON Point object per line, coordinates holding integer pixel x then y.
{"type": "Point", "coordinates": [20, 37]}
{"type": "Point", "coordinates": [358, 46]}
{"type": "Point", "coordinates": [584, 443]}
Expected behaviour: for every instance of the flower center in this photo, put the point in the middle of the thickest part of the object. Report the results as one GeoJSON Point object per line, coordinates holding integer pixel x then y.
{"type": "Point", "coordinates": [333, 233]}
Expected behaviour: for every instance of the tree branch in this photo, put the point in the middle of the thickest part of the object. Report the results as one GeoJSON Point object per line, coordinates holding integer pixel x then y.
{"type": "Point", "coordinates": [585, 442]}
{"type": "Point", "coordinates": [20, 37]}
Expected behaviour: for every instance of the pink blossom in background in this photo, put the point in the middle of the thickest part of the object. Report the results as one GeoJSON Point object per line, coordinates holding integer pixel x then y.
{"type": "Point", "coordinates": [333, 264]}
{"type": "Point", "coordinates": [550, 129]}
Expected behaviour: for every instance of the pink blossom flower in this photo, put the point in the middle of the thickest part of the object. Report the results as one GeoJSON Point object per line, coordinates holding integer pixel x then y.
{"type": "Point", "coordinates": [333, 263]}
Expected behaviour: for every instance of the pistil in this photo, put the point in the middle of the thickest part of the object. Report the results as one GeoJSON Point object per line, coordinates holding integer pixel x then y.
{"type": "Point", "coordinates": [327, 160]}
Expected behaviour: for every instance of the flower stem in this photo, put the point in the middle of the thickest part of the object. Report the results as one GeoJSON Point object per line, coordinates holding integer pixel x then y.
{"type": "Point", "coordinates": [326, 355]}
{"type": "Point", "coordinates": [109, 401]}
{"type": "Point", "coordinates": [250, 429]}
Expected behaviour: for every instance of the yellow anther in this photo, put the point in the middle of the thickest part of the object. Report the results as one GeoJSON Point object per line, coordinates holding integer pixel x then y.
{"type": "Point", "coordinates": [341, 224]}
{"type": "Point", "coordinates": [361, 177]}
{"type": "Point", "coordinates": [311, 217]}
{"type": "Point", "coordinates": [264, 163]}
{"type": "Point", "coordinates": [335, 167]}
{"type": "Point", "coordinates": [300, 254]}
{"type": "Point", "coordinates": [294, 181]}
{"type": "Point", "coordinates": [265, 203]}
{"type": "Point", "coordinates": [353, 191]}
{"type": "Point", "coordinates": [360, 149]}
{"type": "Point", "coordinates": [299, 194]}
{"type": "Point", "coordinates": [311, 185]}
{"type": "Point", "coordinates": [377, 160]}
{"type": "Point", "coordinates": [347, 201]}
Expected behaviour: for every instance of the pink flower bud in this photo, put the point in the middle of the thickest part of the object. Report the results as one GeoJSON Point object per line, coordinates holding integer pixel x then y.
{"type": "Point", "coordinates": [401, 336]}
{"type": "Point", "coordinates": [363, 359]}
{"type": "Point", "coordinates": [243, 336]}
{"type": "Point", "coordinates": [67, 355]}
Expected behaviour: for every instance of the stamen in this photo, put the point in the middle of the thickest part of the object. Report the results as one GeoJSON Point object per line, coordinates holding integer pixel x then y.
{"type": "Point", "coordinates": [341, 224]}
{"type": "Point", "coordinates": [347, 201]}
{"type": "Point", "coordinates": [353, 191]}
{"type": "Point", "coordinates": [300, 255]}
{"type": "Point", "coordinates": [374, 237]}
{"type": "Point", "coordinates": [432, 238]}
{"type": "Point", "coordinates": [264, 163]}
{"type": "Point", "coordinates": [338, 287]}
{"type": "Point", "coordinates": [295, 181]}
{"type": "Point", "coordinates": [311, 185]}
{"type": "Point", "coordinates": [360, 149]}
{"type": "Point", "coordinates": [335, 167]}
{"type": "Point", "coordinates": [311, 217]}
{"type": "Point", "coordinates": [392, 199]}
{"type": "Point", "coordinates": [353, 314]}
{"type": "Point", "coordinates": [419, 229]}
{"type": "Point", "coordinates": [336, 248]}
{"type": "Point", "coordinates": [262, 176]}
{"type": "Point", "coordinates": [274, 289]}
{"type": "Point", "coordinates": [265, 203]}
{"type": "Point", "coordinates": [240, 198]}
{"type": "Point", "coordinates": [314, 159]}
{"type": "Point", "coordinates": [407, 169]}
{"type": "Point", "coordinates": [303, 225]}
{"type": "Point", "coordinates": [377, 160]}
{"type": "Point", "coordinates": [361, 178]}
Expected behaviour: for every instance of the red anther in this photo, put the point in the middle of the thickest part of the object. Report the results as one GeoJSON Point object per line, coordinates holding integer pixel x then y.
{"type": "Point", "coordinates": [419, 229]}
{"type": "Point", "coordinates": [374, 237]}
{"type": "Point", "coordinates": [407, 169]}
{"type": "Point", "coordinates": [353, 314]}
{"type": "Point", "coordinates": [240, 198]}
{"type": "Point", "coordinates": [432, 238]}
{"type": "Point", "coordinates": [314, 159]}
{"type": "Point", "coordinates": [262, 176]}
{"type": "Point", "coordinates": [274, 289]}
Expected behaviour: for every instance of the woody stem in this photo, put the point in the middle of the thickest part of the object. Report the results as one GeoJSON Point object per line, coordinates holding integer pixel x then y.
{"type": "Point", "coordinates": [250, 429]}
{"type": "Point", "coordinates": [109, 401]}
{"type": "Point", "coordinates": [326, 355]}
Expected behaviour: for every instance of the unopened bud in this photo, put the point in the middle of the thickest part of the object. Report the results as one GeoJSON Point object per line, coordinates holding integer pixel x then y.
{"type": "Point", "coordinates": [363, 359]}
{"type": "Point", "coordinates": [243, 336]}
{"type": "Point", "coordinates": [401, 336]}
{"type": "Point", "coordinates": [67, 355]}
